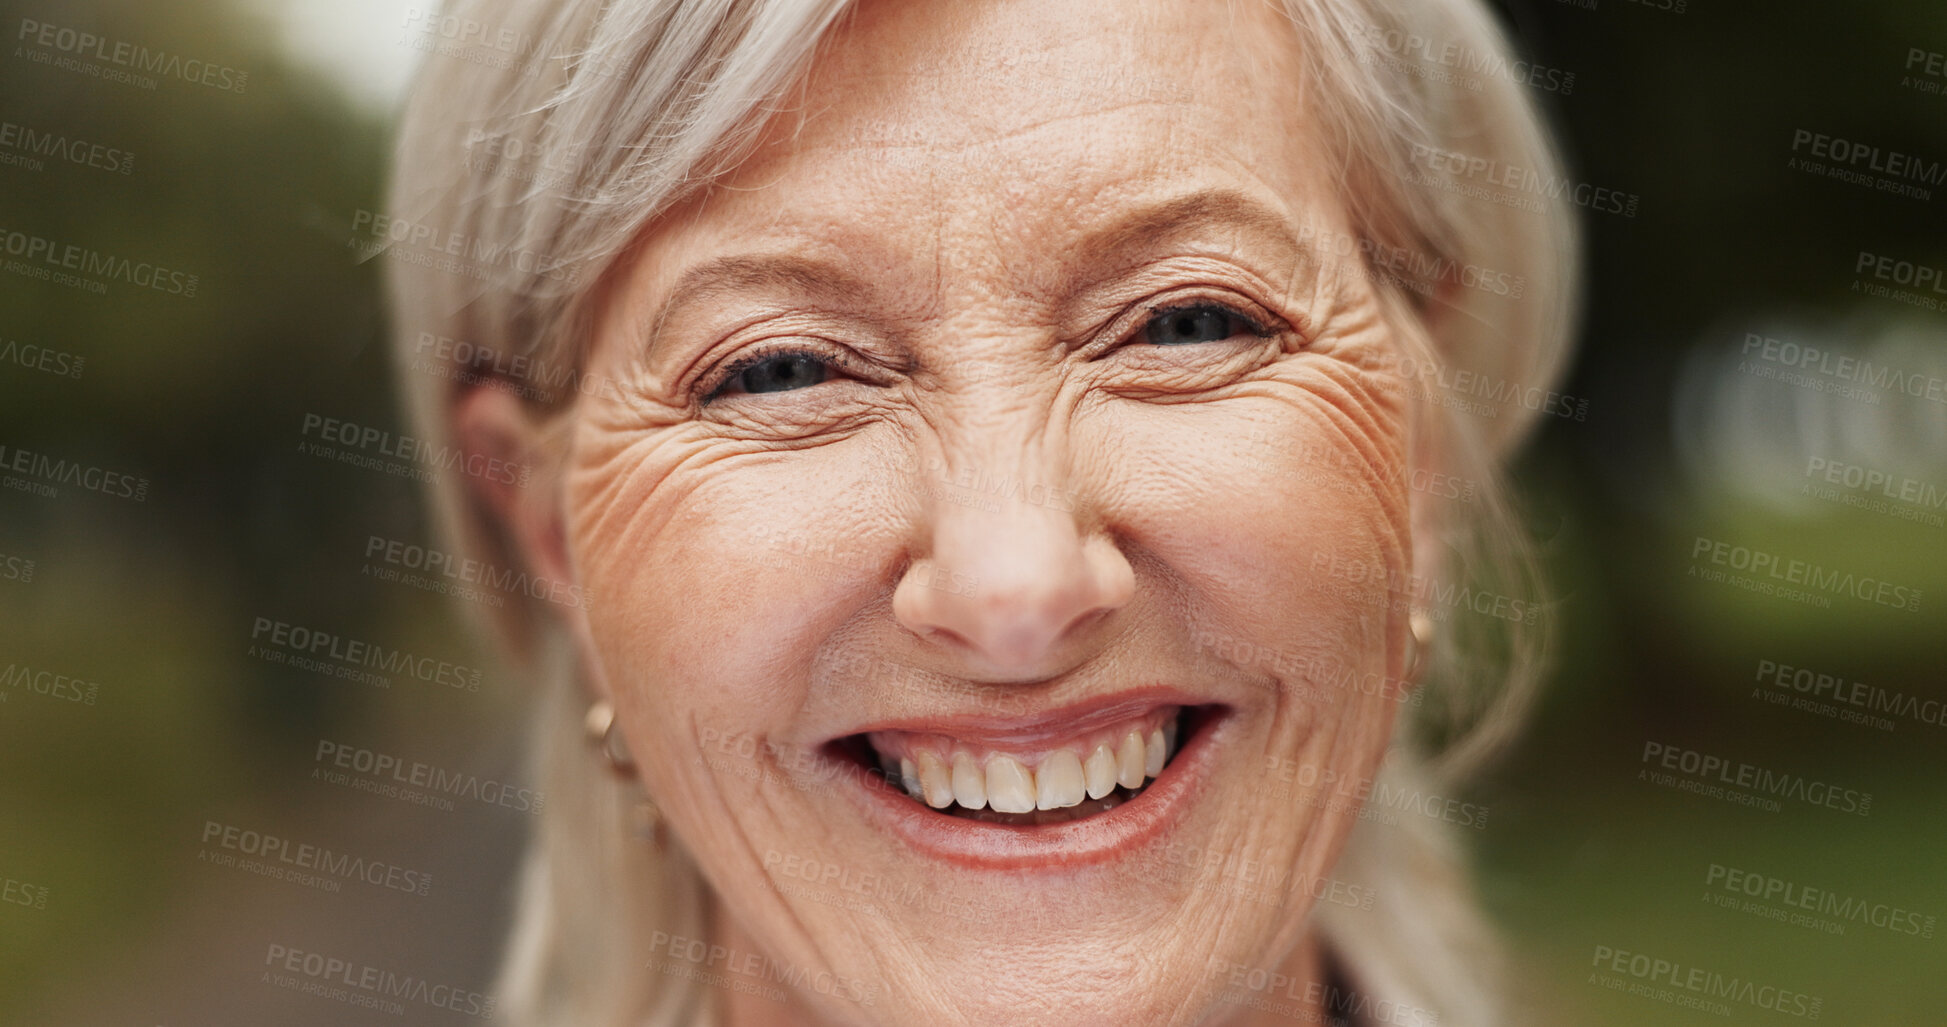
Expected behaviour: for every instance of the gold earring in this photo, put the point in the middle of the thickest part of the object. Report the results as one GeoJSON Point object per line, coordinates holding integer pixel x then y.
{"type": "Point", "coordinates": [1417, 645]}
{"type": "Point", "coordinates": [600, 726]}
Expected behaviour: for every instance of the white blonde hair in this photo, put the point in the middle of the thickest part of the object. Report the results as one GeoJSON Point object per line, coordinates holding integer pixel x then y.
{"type": "Point", "coordinates": [559, 130]}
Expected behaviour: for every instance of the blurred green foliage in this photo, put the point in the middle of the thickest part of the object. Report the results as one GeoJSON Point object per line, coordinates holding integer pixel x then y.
{"type": "Point", "coordinates": [202, 396]}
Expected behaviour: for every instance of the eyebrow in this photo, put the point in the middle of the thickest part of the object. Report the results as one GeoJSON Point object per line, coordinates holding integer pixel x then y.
{"type": "Point", "coordinates": [781, 272]}
{"type": "Point", "coordinates": [1147, 225]}
{"type": "Point", "coordinates": [1206, 208]}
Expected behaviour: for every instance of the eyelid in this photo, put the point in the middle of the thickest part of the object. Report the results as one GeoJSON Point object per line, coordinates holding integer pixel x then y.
{"type": "Point", "coordinates": [1260, 320]}
{"type": "Point", "coordinates": [712, 384]}
{"type": "Point", "coordinates": [1253, 324]}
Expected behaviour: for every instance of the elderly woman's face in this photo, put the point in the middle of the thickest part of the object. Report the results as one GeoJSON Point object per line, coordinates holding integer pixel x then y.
{"type": "Point", "coordinates": [991, 425]}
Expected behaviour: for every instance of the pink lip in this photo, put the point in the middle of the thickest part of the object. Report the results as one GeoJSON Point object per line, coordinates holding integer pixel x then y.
{"type": "Point", "coordinates": [1043, 729]}
{"type": "Point", "coordinates": [1098, 839]}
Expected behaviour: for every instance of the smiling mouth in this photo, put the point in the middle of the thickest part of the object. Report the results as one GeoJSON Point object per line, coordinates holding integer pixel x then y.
{"type": "Point", "coordinates": [1076, 778]}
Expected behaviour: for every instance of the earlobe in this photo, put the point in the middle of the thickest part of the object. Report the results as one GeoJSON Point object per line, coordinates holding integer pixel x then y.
{"type": "Point", "coordinates": [1443, 305]}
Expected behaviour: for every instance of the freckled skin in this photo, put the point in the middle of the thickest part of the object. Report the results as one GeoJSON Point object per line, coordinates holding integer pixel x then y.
{"type": "Point", "coordinates": [1001, 499]}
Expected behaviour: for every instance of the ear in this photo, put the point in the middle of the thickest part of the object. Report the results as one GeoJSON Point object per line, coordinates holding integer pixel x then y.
{"type": "Point", "coordinates": [497, 435]}
{"type": "Point", "coordinates": [1433, 490]}
{"type": "Point", "coordinates": [520, 489]}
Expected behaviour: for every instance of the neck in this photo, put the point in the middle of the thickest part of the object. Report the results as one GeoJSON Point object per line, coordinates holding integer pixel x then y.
{"type": "Point", "coordinates": [740, 1007]}
{"type": "Point", "coordinates": [1300, 995]}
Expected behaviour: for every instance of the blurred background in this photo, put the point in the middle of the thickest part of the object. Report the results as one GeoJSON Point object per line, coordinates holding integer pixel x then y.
{"type": "Point", "coordinates": [1763, 370]}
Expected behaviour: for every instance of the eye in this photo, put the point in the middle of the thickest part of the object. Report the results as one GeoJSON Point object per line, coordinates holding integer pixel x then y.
{"type": "Point", "coordinates": [1198, 322]}
{"type": "Point", "coordinates": [774, 371]}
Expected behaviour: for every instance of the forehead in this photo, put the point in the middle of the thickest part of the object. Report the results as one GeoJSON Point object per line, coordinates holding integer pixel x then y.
{"type": "Point", "coordinates": [957, 132]}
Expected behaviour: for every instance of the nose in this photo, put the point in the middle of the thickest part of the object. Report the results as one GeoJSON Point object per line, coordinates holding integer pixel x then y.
{"type": "Point", "coordinates": [1012, 583]}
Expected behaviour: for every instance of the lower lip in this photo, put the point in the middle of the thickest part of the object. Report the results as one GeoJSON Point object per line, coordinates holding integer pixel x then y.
{"type": "Point", "coordinates": [1091, 840]}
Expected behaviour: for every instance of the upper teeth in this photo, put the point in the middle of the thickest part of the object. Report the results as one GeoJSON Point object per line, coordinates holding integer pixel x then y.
{"type": "Point", "coordinates": [942, 773]}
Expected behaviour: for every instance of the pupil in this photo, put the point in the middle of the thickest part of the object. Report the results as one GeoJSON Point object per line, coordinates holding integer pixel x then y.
{"type": "Point", "coordinates": [783, 373]}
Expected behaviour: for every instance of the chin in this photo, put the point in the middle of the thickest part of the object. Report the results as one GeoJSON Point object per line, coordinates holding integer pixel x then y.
{"type": "Point", "coordinates": [1106, 860]}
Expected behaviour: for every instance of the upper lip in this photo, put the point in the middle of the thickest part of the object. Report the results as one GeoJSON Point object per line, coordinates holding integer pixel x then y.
{"type": "Point", "coordinates": [1045, 728]}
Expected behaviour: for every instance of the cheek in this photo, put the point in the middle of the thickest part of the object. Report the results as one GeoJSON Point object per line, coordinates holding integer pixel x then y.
{"type": "Point", "coordinates": [1281, 512]}
{"type": "Point", "coordinates": [716, 573]}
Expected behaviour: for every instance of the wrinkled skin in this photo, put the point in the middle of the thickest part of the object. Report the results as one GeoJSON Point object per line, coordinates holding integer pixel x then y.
{"type": "Point", "coordinates": [993, 493]}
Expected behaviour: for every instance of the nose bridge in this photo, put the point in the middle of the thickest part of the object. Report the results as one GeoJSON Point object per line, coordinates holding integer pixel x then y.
{"type": "Point", "coordinates": [999, 439]}
{"type": "Point", "coordinates": [1002, 497]}
{"type": "Point", "coordinates": [1010, 567]}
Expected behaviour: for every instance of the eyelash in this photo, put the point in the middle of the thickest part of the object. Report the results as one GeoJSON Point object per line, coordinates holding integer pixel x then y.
{"type": "Point", "coordinates": [714, 386]}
